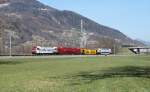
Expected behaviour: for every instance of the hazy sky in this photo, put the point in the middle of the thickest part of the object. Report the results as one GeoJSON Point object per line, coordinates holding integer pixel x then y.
{"type": "Point", "coordinates": [132, 17]}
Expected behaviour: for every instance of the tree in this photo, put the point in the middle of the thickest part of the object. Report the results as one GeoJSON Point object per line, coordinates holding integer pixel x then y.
{"type": "Point", "coordinates": [104, 42]}
{"type": "Point", "coordinates": [1, 37]}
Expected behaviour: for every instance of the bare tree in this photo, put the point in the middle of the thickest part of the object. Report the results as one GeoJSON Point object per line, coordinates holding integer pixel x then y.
{"type": "Point", "coordinates": [1, 37]}
{"type": "Point", "coordinates": [104, 42]}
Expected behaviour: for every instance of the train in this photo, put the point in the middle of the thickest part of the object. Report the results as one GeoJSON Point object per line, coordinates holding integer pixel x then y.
{"type": "Point", "coordinates": [38, 50]}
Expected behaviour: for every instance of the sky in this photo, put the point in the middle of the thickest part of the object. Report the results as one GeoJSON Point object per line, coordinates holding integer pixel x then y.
{"type": "Point", "coordinates": [132, 17]}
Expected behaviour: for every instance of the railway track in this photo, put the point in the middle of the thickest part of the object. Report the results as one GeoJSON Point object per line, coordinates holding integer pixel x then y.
{"type": "Point", "coordinates": [50, 56]}
{"type": "Point", "coordinates": [57, 56]}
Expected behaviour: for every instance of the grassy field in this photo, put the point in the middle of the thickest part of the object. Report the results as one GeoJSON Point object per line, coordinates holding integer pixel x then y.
{"type": "Point", "coordinates": [93, 74]}
{"type": "Point", "coordinates": [125, 51]}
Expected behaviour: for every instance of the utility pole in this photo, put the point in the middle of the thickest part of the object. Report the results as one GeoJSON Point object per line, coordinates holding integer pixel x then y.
{"type": "Point", "coordinates": [10, 44]}
{"type": "Point", "coordinates": [114, 46]}
{"type": "Point", "coordinates": [114, 49]}
{"type": "Point", "coordinates": [81, 43]}
{"type": "Point", "coordinates": [81, 26]}
{"type": "Point", "coordinates": [84, 37]}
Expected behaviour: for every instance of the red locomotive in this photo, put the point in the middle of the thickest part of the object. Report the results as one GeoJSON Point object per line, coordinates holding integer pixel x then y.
{"type": "Point", "coordinates": [69, 51]}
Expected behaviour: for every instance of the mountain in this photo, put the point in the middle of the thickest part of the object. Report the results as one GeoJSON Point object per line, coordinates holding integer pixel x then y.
{"type": "Point", "coordinates": [147, 43]}
{"type": "Point", "coordinates": [35, 23]}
